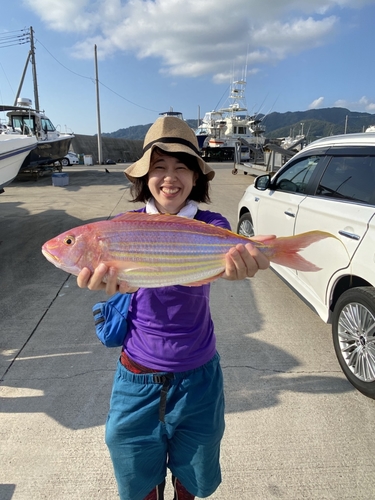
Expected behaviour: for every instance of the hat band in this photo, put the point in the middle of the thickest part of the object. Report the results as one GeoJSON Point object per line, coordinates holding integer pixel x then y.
{"type": "Point", "coordinates": [172, 140]}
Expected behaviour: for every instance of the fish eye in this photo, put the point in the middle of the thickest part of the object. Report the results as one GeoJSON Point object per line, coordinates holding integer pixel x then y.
{"type": "Point", "coordinates": [69, 240]}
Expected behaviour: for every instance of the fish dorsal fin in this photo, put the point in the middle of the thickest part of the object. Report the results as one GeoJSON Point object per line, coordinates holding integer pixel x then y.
{"type": "Point", "coordinates": [183, 222]}
{"type": "Point", "coordinates": [143, 216]}
{"type": "Point", "coordinates": [164, 218]}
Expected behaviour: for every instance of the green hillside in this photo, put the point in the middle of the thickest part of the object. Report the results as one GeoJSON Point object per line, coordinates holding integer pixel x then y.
{"type": "Point", "coordinates": [317, 123]}
{"type": "Point", "coordinates": [314, 123]}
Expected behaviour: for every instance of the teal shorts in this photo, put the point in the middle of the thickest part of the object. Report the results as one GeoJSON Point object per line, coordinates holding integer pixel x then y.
{"type": "Point", "coordinates": [144, 439]}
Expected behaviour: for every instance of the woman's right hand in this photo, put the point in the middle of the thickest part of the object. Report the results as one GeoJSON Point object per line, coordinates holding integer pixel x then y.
{"type": "Point", "coordinates": [94, 281]}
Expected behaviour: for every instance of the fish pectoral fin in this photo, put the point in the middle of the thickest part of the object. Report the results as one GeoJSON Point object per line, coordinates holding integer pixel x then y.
{"type": "Point", "coordinates": [205, 281]}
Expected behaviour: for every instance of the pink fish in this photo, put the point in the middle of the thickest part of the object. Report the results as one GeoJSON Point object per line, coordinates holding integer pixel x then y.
{"type": "Point", "coordinates": [151, 251]}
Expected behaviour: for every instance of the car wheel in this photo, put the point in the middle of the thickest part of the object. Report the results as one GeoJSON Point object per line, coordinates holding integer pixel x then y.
{"type": "Point", "coordinates": [245, 226]}
{"type": "Point", "coordinates": [353, 331]}
{"type": "Point", "coordinates": [65, 162]}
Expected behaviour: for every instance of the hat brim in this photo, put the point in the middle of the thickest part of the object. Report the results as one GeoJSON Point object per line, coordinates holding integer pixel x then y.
{"type": "Point", "coordinates": [141, 167]}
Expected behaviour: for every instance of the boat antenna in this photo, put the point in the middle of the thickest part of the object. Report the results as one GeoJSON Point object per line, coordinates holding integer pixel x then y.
{"type": "Point", "coordinates": [221, 98]}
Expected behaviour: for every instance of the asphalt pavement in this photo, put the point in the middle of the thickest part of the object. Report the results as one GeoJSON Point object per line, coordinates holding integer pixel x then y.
{"type": "Point", "coordinates": [295, 428]}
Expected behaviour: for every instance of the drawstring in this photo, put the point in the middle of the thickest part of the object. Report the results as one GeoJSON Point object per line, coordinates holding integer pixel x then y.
{"type": "Point", "coordinates": [166, 381]}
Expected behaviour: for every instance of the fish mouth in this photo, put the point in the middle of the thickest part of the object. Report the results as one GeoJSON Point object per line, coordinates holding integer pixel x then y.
{"type": "Point", "coordinates": [53, 259]}
{"type": "Point", "coordinates": [50, 257]}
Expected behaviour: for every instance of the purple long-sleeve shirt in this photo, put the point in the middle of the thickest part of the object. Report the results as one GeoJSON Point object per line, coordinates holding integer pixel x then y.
{"type": "Point", "coordinates": [170, 328]}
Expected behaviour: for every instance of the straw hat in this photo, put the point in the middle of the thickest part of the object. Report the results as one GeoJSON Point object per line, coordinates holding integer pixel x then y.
{"type": "Point", "coordinates": [172, 135]}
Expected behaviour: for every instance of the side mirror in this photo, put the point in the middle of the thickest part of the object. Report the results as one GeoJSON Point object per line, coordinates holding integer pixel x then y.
{"type": "Point", "coordinates": [262, 182]}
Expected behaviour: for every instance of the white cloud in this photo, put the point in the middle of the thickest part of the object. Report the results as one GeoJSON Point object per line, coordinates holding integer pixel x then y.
{"type": "Point", "coordinates": [317, 103]}
{"type": "Point", "coordinates": [281, 39]}
{"type": "Point", "coordinates": [194, 37]}
{"type": "Point", "coordinates": [363, 104]}
{"type": "Point", "coordinates": [68, 15]}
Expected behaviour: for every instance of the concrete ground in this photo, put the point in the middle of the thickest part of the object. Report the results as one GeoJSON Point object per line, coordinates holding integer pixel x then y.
{"type": "Point", "coordinates": [295, 428]}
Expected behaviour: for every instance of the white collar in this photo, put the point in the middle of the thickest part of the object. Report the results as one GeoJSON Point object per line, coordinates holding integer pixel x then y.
{"type": "Point", "coordinates": [189, 210]}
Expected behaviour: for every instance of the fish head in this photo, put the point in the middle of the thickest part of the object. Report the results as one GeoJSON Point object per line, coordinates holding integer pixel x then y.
{"type": "Point", "coordinates": [73, 250]}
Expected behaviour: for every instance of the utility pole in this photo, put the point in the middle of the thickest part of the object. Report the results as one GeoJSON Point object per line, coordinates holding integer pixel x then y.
{"type": "Point", "coordinates": [100, 151]}
{"type": "Point", "coordinates": [33, 65]}
{"type": "Point", "coordinates": [30, 58]}
{"type": "Point", "coordinates": [346, 124]}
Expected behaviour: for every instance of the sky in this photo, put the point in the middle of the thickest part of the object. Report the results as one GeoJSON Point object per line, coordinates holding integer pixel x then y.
{"type": "Point", "coordinates": [158, 55]}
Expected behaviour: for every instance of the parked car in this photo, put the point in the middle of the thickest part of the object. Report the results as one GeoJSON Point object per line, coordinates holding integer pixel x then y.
{"type": "Point", "coordinates": [328, 186]}
{"type": "Point", "coordinates": [110, 162]}
{"type": "Point", "coordinates": [70, 159]}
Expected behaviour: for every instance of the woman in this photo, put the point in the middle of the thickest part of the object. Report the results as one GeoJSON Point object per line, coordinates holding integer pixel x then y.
{"type": "Point", "coordinates": [167, 404]}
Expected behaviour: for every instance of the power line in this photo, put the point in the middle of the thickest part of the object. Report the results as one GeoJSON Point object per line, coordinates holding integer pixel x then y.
{"type": "Point", "coordinates": [127, 100]}
{"type": "Point", "coordinates": [21, 37]}
{"type": "Point", "coordinates": [11, 38]}
{"type": "Point", "coordinates": [61, 64]}
{"type": "Point", "coordinates": [93, 80]}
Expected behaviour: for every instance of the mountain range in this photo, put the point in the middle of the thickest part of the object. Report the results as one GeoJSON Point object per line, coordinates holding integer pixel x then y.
{"type": "Point", "coordinates": [314, 123]}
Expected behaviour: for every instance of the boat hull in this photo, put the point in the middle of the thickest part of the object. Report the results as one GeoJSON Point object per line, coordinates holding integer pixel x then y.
{"type": "Point", "coordinates": [47, 152]}
{"type": "Point", "coordinates": [13, 151]}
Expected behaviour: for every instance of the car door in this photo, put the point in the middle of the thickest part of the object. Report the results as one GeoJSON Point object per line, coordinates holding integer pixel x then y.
{"type": "Point", "coordinates": [278, 206]}
{"type": "Point", "coordinates": [343, 207]}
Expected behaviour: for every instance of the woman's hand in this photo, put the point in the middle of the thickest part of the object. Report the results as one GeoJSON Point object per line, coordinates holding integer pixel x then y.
{"type": "Point", "coordinates": [94, 281]}
{"type": "Point", "coordinates": [243, 261]}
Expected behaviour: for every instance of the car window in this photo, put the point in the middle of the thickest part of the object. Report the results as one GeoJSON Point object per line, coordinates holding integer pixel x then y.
{"type": "Point", "coordinates": [297, 176]}
{"type": "Point", "coordinates": [350, 178]}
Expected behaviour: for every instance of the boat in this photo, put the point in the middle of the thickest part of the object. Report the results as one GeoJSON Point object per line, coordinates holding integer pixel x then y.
{"type": "Point", "coordinates": [14, 148]}
{"type": "Point", "coordinates": [221, 131]}
{"type": "Point", "coordinates": [295, 143]}
{"type": "Point", "coordinates": [176, 114]}
{"type": "Point", "coordinates": [52, 145]}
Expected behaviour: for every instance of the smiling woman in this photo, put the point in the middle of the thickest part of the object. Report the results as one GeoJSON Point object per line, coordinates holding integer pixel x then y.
{"type": "Point", "coordinates": [170, 345]}
{"type": "Point", "coordinates": [170, 182]}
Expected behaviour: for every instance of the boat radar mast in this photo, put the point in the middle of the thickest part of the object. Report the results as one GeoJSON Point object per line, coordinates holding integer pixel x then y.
{"type": "Point", "coordinates": [236, 98]}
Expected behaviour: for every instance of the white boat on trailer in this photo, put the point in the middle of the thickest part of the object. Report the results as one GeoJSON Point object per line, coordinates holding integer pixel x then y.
{"type": "Point", "coordinates": [52, 145]}
{"type": "Point", "coordinates": [14, 148]}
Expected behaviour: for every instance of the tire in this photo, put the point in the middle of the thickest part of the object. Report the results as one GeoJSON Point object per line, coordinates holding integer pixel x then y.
{"type": "Point", "coordinates": [65, 162]}
{"type": "Point", "coordinates": [245, 226]}
{"type": "Point", "coordinates": [353, 332]}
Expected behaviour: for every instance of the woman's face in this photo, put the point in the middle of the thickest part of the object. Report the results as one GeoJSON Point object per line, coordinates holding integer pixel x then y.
{"type": "Point", "coordinates": [170, 182]}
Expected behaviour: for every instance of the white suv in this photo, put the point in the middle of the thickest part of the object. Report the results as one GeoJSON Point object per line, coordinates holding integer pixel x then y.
{"type": "Point", "coordinates": [328, 186]}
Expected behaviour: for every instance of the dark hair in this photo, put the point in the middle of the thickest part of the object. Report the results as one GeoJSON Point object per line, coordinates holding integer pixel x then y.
{"type": "Point", "coordinates": [200, 192]}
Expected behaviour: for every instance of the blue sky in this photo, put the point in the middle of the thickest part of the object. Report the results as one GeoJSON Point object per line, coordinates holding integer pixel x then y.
{"type": "Point", "coordinates": [154, 55]}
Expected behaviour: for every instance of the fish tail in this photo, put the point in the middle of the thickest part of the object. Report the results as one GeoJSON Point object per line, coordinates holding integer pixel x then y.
{"type": "Point", "coordinates": [284, 250]}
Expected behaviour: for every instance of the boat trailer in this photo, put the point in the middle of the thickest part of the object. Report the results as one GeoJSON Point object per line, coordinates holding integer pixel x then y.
{"type": "Point", "coordinates": [38, 170]}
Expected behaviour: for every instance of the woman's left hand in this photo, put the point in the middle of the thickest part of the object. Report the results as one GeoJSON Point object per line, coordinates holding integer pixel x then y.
{"type": "Point", "coordinates": [243, 261]}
